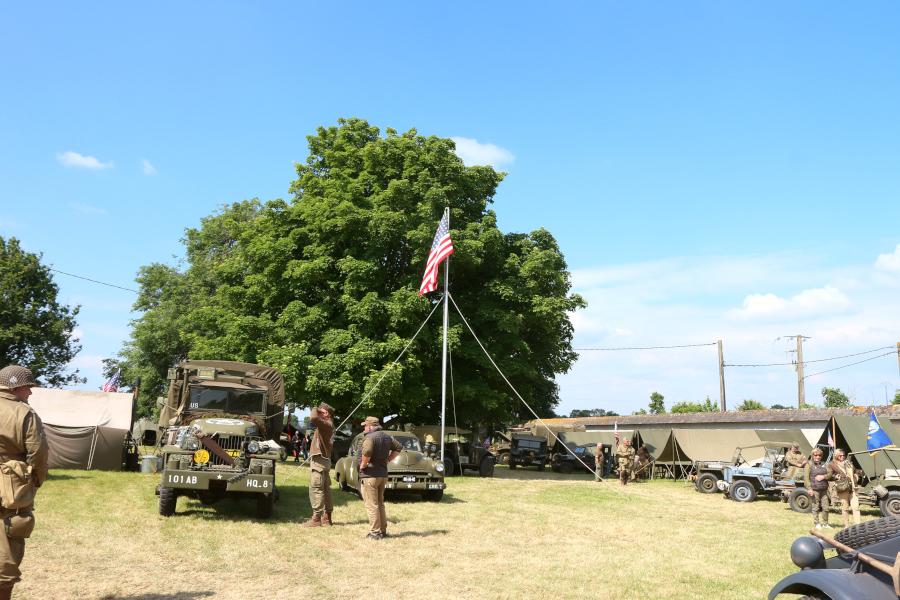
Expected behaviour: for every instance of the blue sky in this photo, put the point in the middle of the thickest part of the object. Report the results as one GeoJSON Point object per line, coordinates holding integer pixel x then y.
{"type": "Point", "coordinates": [710, 170]}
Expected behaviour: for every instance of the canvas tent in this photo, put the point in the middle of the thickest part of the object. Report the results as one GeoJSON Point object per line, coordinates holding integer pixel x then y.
{"type": "Point", "coordinates": [718, 444]}
{"type": "Point", "coordinates": [84, 429]}
{"type": "Point", "coordinates": [785, 437]}
{"type": "Point", "coordinates": [849, 432]}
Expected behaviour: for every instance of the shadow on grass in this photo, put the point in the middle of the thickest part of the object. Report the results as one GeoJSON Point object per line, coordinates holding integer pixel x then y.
{"type": "Point", "coordinates": [172, 596]}
{"type": "Point", "coordinates": [546, 475]}
{"type": "Point", "coordinates": [62, 476]}
{"type": "Point", "coordinates": [406, 534]}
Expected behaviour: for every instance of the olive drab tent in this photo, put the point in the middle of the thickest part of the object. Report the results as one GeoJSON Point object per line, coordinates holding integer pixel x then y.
{"type": "Point", "coordinates": [785, 437]}
{"type": "Point", "coordinates": [849, 432]}
{"type": "Point", "coordinates": [84, 429]}
{"type": "Point", "coordinates": [718, 444]}
{"type": "Point", "coordinates": [669, 458]}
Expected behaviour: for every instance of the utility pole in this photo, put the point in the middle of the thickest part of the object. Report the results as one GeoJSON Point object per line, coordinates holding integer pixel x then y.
{"type": "Point", "coordinates": [801, 388]}
{"type": "Point", "coordinates": [722, 378]}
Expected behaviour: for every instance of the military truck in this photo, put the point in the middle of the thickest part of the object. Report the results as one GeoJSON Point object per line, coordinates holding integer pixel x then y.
{"type": "Point", "coordinates": [460, 453]}
{"type": "Point", "coordinates": [219, 425]}
{"type": "Point", "coordinates": [500, 447]}
{"type": "Point", "coordinates": [527, 451]}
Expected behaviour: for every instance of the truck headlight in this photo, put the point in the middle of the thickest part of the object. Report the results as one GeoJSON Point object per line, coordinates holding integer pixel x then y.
{"type": "Point", "coordinates": [253, 447]}
{"type": "Point", "coordinates": [193, 443]}
{"type": "Point", "coordinates": [439, 467]}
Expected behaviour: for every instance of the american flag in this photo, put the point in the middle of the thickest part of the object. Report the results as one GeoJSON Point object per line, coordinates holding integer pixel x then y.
{"type": "Point", "coordinates": [441, 248]}
{"type": "Point", "coordinates": [113, 384]}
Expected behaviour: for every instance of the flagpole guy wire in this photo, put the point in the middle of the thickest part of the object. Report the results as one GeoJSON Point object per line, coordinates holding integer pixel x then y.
{"type": "Point", "coordinates": [515, 391]}
{"type": "Point", "coordinates": [375, 387]}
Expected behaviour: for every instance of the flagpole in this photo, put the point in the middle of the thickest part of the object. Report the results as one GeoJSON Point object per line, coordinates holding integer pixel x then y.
{"type": "Point", "coordinates": [446, 322]}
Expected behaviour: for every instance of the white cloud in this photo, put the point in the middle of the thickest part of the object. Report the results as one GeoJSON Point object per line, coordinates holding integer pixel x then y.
{"type": "Point", "coordinates": [889, 262]}
{"type": "Point", "coordinates": [807, 304]}
{"type": "Point", "coordinates": [73, 159]}
{"type": "Point", "coordinates": [87, 209]}
{"type": "Point", "coordinates": [148, 167]}
{"type": "Point", "coordinates": [694, 300]}
{"type": "Point", "coordinates": [472, 152]}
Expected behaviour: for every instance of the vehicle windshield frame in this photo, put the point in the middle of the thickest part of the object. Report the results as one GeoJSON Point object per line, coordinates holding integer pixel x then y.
{"type": "Point", "coordinates": [228, 407]}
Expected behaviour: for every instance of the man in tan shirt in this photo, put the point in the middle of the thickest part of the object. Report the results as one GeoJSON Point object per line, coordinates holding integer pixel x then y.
{"type": "Point", "coordinates": [320, 466]}
{"type": "Point", "coordinates": [23, 450]}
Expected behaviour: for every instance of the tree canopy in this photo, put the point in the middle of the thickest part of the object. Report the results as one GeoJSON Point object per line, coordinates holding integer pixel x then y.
{"type": "Point", "coordinates": [36, 331]}
{"type": "Point", "coordinates": [750, 404]}
{"type": "Point", "coordinates": [324, 286]}
{"type": "Point", "coordinates": [657, 405]}
{"type": "Point", "coordinates": [592, 412]}
{"type": "Point", "coordinates": [694, 407]}
{"type": "Point", "coordinates": [835, 398]}
{"type": "Point", "coordinates": [896, 399]}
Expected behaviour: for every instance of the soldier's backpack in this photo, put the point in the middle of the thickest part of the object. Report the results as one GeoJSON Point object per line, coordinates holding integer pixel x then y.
{"type": "Point", "coordinates": [17, 489]}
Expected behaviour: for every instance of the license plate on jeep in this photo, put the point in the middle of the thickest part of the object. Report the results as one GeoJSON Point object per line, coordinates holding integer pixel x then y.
{"type": "Point", "coordinates": [409, 479]}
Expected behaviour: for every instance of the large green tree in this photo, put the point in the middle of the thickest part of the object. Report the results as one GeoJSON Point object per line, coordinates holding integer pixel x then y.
{"type": "Point", "coordinates": [36, 330]}
{"type": "Point", "coordinates": [657, 404]}
{"type": "Point", "coordinates": [324, 286]}
{"type": "Point", "coordinates": [835, 398]}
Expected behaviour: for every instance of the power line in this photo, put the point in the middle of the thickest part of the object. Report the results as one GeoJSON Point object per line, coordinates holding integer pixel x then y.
{"type": "Point", "coordinates": [817, 360]}
{"type": "Point", "coordinates": [851, 364]}
{"type": "Point", "coordinates": [95, 281]}
{"type": "Point", "coordinates": [644, 347]}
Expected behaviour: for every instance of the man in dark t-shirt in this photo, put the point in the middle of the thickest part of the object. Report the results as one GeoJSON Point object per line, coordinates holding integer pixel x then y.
{"type": "Point", "coordinates": [378, 449]}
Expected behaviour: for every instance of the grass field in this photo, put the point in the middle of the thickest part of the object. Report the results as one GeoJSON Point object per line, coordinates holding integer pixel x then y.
{"type": "Point", "coordinates": [521, 534]}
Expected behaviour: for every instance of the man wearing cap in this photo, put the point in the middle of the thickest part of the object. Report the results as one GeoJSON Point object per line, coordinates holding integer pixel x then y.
{"type": "Point", "coordinates": [625, 459]}
{"type": "Point", "coordinates": [378, 449]}
{"type": "Point", "coordinates": [796, 462]}
{"type": "Point", "coordinates": [320, 466]}
{"type": "Point", "coordinates": [23, 460]}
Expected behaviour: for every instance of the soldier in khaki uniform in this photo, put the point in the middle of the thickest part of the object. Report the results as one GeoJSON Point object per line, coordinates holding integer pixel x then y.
{"type": "Point", "coordinates": [796, 462]}
{"type": "Point", "coordinates": [625, 458]}
{"type": "Point", "coordinates": [378, 449]}
{"type": "Point", "coordinates": [814, 474]}
{"type": "Point", "coordinates": [320, 466]}
{"type": "Point", "coordinates": [23, 462]}
{"type": "Point", "coordinates": [840, 471]}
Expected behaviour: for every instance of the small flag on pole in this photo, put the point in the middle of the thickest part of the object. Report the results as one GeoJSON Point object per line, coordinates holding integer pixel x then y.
{"type": "Point", "coordinates": [877, 438]}
{"type": "Point", "coordinates": [441, 248]}
{"type": "Point", "coordinates": [113, 384]}
{"type": "Point", "coordinates": [830, 440]}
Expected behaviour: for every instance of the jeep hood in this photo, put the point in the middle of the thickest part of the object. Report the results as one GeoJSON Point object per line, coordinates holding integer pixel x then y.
{"type": "Point", "coordinates": [226, 426]}
{"type": "Point", "coordinates": [411, 459]}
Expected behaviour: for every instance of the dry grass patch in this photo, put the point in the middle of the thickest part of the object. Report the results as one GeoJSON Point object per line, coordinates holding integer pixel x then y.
{"type": "Point", "coordinates": [520, 534]}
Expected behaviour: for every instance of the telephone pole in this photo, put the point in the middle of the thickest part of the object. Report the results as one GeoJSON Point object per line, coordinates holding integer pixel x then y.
{"type": "Point", "coordinates": [722, 377]}
{"type": "Point", "coordinates": [801, 388]}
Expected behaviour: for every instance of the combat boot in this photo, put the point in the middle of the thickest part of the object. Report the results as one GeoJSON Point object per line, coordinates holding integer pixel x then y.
{"type": "Point", "coordinates": [316, 521]}
{"type": "Point", "coordinates": [326, 519]}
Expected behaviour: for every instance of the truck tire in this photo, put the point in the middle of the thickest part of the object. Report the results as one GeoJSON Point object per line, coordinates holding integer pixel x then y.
{"type": "Point", "coordinates": [870, 532]}
{"type": "Point", "coordinates": [706, 483]}
{"type": "Point", "coordinates": [566, 468]}
{"type": "Point", "coordinates": [799, 501]}
{"type": "Point", "coordinates": [890, 504]}
{"type": "Point", "coordinates": [742, 491]}
{"type": "Point", "coordinates": [512, 463]}
{"type": "Point", "coordinates": [449, 467]}
{"type": "Point", "coordinates": [541, 466]}
{"type": "Point", "coordinates": [486, 467]}
{"type": "Point", "coordinates": [433, 495]}
{"type": "Point", "coordinates": [168, 497]}
{"type": "Point", "coordinates": [265, 503]}
{"type": "Point", "coordinates": [503, 459]}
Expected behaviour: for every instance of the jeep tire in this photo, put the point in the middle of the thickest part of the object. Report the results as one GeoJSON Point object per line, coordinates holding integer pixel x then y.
{"type": "Point", "coordinates": [870, 532]}
{"type": "Point", "coordinates": [706, 483]}
{"type": "Point", "coordinates": [503, 459]}
{"type": "Point", "coordinates": [486, 467]}
{"type": "Point", "coordinates": [742, 491]}
{"type": "Point", "coordinates": [799, 501]}
{"type": "Point", "coordinates": [168, 497]}
{"type": "Point", "coordinates": [511, 463]}
{"type": "Point", "coordinates": [449, 467]}
{"type": "Point", "coordinates": [566, 467]}
{"type": "Point", "coordinates": [264, 505]}
{"type": "Point", "coordinates": [890, 504]}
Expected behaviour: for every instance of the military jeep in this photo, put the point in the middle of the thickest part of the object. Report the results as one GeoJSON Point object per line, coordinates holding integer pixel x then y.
{"type": "Point", "coordinates": [460, 453]}
{"type": "Point", "coordinates": [528, 451]}
{"type": "Point", "coordinates": [219, 425]}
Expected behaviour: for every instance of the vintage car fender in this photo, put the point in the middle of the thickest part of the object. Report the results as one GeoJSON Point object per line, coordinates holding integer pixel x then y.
{"type": "Point", "coordinates": [837, 584]}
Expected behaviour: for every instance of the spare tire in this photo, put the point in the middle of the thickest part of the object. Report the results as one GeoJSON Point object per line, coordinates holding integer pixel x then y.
{"type": "Point", "coordinates": [890, 504]}
{"type": "Point", "coordinates": [799, 501]}
{"type": "Point", "coordinates": [870, 532]}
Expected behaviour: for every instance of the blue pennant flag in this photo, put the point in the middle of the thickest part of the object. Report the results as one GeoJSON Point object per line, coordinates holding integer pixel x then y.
{"type": "Point", "coordinates": [877, 438]}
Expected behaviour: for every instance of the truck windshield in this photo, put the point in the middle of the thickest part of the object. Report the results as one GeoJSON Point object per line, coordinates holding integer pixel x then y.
{"type": "Point", "coordinates": [409, 443]}
{"type": "Point", "coordinates": [226, 399]}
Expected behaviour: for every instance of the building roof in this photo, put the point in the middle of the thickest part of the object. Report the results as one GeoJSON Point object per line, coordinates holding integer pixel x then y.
{"type": "Point", "coordinates": [744, 416]}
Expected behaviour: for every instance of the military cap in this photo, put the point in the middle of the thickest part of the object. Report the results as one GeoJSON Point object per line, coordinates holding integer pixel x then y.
{"type": "Point", "coordinates": [15, 376]}
{"type": "Point", "coordinates": [371, 421]}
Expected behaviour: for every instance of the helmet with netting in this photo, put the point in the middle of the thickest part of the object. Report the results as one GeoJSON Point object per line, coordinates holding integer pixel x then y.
{"type": "Point", "coordinates": [15, 376]}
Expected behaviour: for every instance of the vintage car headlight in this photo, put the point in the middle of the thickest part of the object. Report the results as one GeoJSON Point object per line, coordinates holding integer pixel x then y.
{"type": "Point", "coordinates": [253, 447]}
{"type": "Point", "coordinates": [439, 467]}
{"type": "Point", "coordinates": [191, 443]}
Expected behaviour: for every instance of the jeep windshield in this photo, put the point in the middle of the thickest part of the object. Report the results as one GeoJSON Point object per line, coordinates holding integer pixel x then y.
{"type": "Point", "coordinates": [409, 443]}
{"type": "Point", "coordinates": [227, 399]}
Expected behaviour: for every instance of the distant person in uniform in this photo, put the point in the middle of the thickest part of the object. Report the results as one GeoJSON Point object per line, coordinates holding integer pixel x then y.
{"type": "Point", "coordinates": [320, 466]}
{"type": "Point", "coordinates": [796, 462]}
{"type": "Point", "coordinates": [625, 458]}
{"type": "Point", "coordinates": [841, 472]}
{"type": "Point", "coordinates": [814, 479]}
{"type": "Point", "coordinates": [23, 469]}
{"type": "Point", "coordinates": [378, 449]}
{"type": "Point", "coordinates": [598, 463]}
{"type": "Point", "coordinates": [643, 463]}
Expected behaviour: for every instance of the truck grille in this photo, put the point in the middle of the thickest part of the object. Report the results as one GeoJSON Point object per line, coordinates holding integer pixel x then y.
{"type": "Point", "coordinates": [230, 443]}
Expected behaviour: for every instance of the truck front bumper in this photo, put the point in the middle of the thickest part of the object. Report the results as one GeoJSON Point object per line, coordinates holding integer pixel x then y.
{"type": "Point", "coordinates": [233, 481]}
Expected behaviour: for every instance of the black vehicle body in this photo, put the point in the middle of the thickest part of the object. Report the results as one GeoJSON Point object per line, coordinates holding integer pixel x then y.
{"type": "Point", "coordinates": [461, 454]}
{"type": "Point", "coordinates": [578, 458]}
{"type": "Point", "coordinates": [848, 575]}
{"type": "Point", "coordinates": [528, 451]}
